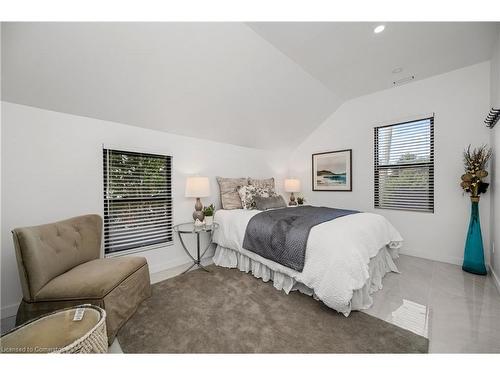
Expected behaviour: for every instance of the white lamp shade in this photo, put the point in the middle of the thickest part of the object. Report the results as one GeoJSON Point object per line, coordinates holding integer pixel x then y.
{"type": "Point", "coordinates": [292, 185]}
{"type": "Point", "coordinates": [197, 187]}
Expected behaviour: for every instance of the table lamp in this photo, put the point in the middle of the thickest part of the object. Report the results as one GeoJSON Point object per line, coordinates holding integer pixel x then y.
{"type": "Point", "coordinates": [197, 187]}
{"type": "Point", "coordinates": [292, 185]}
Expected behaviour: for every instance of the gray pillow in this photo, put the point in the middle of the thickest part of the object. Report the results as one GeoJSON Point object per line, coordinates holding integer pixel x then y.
{"type": "Point", "coordinates": [266, 203]}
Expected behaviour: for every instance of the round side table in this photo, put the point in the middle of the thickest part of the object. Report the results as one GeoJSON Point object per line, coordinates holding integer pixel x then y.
{"type": "Point", "coordinates": [190, 228]}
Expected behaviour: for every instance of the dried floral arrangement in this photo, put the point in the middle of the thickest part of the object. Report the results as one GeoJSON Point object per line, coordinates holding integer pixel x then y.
{"type": "Point", "coordinates": [475, 163]}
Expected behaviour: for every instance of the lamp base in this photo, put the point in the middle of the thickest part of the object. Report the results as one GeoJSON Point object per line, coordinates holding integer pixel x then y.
{"type": "Point", "coordinates": [198, 213]}
{"type": "Point", "coordinates": [292, 200]}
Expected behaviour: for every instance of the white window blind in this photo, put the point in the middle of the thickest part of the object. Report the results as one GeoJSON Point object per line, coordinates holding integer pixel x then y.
{"type": "Point", "coordinates": [404, 166]}
{"type": "Point", "coordinates": [137, 200]}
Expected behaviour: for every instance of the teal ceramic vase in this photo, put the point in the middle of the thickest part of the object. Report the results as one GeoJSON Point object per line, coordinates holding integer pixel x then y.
{"type": "Point", "coordinates": [474, 251]}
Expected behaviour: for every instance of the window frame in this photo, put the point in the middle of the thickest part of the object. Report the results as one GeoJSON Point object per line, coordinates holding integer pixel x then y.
{"type": "Point", "coordinates": [168, 199]}
{"type": "Point", "coordinates": [430, 164]}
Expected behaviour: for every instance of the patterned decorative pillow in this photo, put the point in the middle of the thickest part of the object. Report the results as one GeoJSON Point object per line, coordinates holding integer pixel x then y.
{"type": "Point", "coordinates": [267, 183]}
{"type": "Point", "coordinates": [229, 196]}
{"type": "Point", "coordinates": [249, 192]}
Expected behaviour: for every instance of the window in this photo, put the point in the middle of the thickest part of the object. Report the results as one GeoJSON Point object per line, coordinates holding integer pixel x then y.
{"type": "Point", "coordinates": [137, 201]}
{"type": "Point", "coordinates": [404, 166]}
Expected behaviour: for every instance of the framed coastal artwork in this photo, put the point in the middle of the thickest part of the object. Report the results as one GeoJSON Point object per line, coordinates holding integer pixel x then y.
{"type": "Point", "coordinates": [332, 171]}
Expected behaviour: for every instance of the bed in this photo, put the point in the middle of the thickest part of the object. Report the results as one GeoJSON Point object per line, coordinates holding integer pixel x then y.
{"type": "Point", "coordinates": [345, 258]}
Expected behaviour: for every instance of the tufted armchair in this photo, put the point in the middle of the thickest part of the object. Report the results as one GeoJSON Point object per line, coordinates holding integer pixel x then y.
{"type": "Point", "coordinates": [59, 266]}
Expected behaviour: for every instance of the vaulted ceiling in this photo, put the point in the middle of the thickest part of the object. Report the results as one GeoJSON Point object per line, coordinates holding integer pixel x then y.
{"type": "Point", "coordinates": [264, 85]}
{"type": "Point", "coordinates": [351, 60]}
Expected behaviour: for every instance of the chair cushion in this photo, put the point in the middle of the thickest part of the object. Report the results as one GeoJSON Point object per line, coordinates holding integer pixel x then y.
{"type": "Point", "coordinates": [93, 279]}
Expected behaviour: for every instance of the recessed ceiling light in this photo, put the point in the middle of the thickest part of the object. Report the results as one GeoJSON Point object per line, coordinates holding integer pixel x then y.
{"type": "Point", "coordinates": [397, 70]}
{"type": "Point", "coordinates": [379, 29]}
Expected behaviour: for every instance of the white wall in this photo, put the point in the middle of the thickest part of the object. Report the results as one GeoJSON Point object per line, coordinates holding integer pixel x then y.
{"type": "Point", "coordinates": [52, 169]}
{"type": "Point", "coordinates": [460, 100]}
{"type": "Point", "coordinates": [495, 165]}
{"type": "Point", "coordinates": [51, 166]}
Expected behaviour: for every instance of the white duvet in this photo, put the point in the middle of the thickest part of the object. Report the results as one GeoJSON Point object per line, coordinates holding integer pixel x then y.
{"type": "Point", "coordinates": [337, 255]}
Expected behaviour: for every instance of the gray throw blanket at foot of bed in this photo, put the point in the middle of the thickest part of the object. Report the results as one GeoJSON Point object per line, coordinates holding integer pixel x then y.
{"type": "Point", "coordinates": [281, 235]}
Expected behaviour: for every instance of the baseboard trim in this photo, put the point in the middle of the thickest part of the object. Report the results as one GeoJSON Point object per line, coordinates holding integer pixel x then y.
{"type": "Point", "coordinates": [162, 273]}
{"type": "Point", "coordinates": [159, 267]}
{"type": "Point", "coordinates": [445, 259]}
{"type": "Point", "coordinates": [496, 279]}
{"type": "Point", "coordinates": [8, 311]}
{"type": "Point", "coordinates": [158, 273]}
{"type": "Point", "coordinates": [168, 273]}
{"type": "Point", "coordinates": [174, 263]}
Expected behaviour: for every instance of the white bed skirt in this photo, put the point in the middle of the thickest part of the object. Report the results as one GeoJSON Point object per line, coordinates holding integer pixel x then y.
{"type": "Point", "coordinates": [379, 265]}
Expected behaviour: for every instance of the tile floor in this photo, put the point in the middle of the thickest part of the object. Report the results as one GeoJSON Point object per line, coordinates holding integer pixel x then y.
{"type": "Point", "coordinates": [463, 310]}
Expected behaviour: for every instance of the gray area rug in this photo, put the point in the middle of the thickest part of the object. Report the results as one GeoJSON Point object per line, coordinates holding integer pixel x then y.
{"type": "Point", "coordinates": [229, 311]}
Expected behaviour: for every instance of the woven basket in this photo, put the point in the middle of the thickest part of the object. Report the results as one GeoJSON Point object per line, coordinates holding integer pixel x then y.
{"type": "Point", "coordinates": [95, 340]}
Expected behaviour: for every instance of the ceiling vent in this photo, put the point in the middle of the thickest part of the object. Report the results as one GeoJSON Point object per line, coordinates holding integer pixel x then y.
{"type": "Point", "coordinates": [403, 81]}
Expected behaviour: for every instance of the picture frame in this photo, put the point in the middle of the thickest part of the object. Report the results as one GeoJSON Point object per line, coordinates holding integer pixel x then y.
{"type": "Point", "coordinates": [332, 171]}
